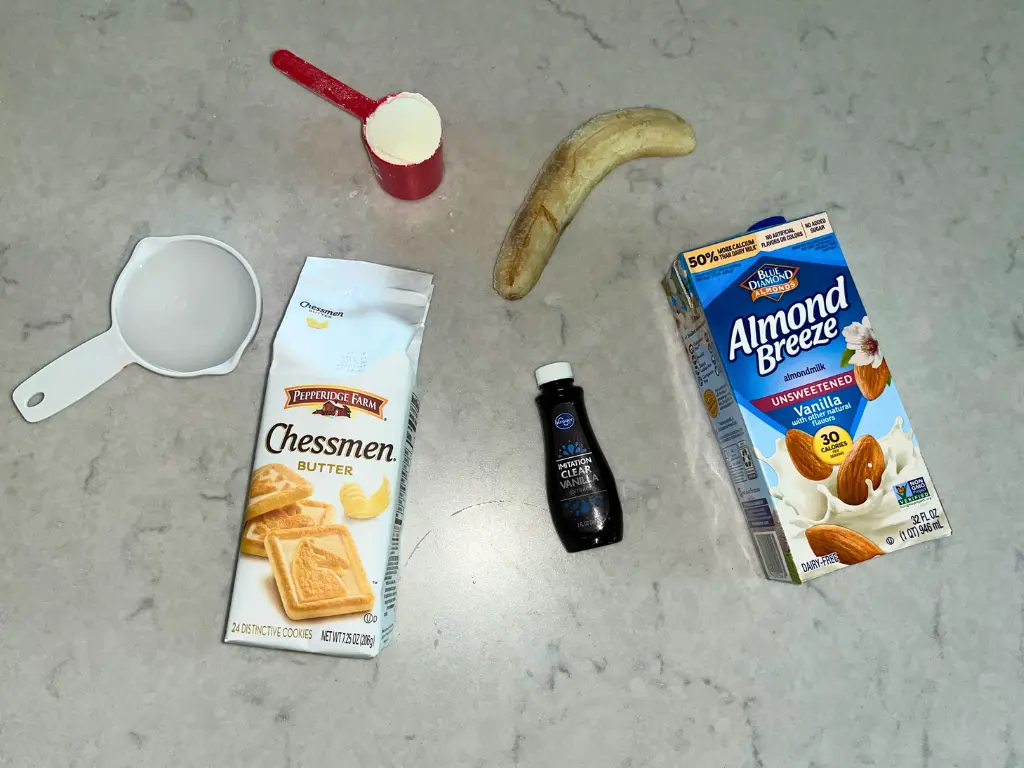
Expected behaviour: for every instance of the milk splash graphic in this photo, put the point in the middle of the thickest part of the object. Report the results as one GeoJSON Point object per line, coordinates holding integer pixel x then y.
{"type": "Point", "coordinates": [802, 503]}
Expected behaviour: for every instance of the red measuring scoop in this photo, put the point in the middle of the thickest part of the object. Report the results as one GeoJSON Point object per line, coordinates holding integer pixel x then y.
{"type": "Point", "coordinates": [412, 173]}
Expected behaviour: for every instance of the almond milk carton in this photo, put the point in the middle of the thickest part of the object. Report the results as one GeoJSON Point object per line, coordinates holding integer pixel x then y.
{"type": "Point", "coordinates": [818, 445]}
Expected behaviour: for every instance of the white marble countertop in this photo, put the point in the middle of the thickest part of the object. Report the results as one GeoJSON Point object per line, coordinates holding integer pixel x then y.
{"type": "Point", "coordinates": [121, 515]}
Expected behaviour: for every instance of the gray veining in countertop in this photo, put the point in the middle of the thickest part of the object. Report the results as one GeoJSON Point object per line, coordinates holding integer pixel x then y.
{"type": "Point", "coordinates": [120, 516]}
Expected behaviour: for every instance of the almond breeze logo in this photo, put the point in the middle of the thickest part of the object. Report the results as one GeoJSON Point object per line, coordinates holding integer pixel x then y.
{"type": "Point", "coordinates": [788, 332]}
{"type": "Point", "coordinates": [771, 280]}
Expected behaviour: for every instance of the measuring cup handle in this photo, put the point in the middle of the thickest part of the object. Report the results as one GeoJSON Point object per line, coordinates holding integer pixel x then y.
{"type": "Point", "coordinates": [72, 376]}
{"type": "Point", "coordinates": [323, 85]}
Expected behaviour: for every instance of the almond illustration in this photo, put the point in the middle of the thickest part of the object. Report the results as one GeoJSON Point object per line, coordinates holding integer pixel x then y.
{"type": "Point", "coordinates": [865, 461]}
{"type": "Point", "coordinates": [871, 381]}
{"type": "Point", "coordinates": [800, 446]}
{"type": "Point", "coordinates": [850, 546]}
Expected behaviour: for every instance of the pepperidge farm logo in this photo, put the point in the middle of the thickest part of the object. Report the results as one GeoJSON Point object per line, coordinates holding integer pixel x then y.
{"type": "Point", "coordinates": [334, 401]}
{"type": "Point", "coordinates": [911, 491]}
{"type": "Point", "coordinates": [771, 280]}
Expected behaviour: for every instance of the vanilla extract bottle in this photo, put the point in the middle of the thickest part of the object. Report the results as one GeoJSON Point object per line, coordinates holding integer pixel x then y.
{"type": "Point", "coordinates": [582, 497]}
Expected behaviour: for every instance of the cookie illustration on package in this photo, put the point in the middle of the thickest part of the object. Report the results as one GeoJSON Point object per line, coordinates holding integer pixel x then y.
{"type": "Point", "coordinates": [318, 572]}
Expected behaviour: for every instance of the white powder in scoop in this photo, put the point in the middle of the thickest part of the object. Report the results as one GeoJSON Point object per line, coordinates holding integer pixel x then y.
{"type": "Point", "coordinates": [405, 129]}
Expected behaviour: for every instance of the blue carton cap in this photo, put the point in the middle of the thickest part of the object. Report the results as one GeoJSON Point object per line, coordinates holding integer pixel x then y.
{"type": "Point", "coordinates": [771, 221]}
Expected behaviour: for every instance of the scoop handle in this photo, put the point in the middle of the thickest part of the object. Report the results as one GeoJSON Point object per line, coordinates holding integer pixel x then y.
{"type": "Point", "coordinates": [322, 84]}
{"type": "Point", "coordinates": [72, 376]}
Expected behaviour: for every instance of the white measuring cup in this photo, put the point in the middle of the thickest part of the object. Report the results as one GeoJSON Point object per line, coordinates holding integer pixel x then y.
{"type": "Point", "coordinates": [182, 306]}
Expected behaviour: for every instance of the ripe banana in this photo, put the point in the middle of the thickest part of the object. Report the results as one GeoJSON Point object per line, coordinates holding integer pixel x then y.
{"type": "Point", "coordinates": [578, 163]}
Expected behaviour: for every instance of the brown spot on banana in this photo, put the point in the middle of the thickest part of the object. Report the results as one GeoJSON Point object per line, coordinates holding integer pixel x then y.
{"type": "Point", "coordinates": [578, 163]}
{"type": "Point", "coordinates": [549, 218]}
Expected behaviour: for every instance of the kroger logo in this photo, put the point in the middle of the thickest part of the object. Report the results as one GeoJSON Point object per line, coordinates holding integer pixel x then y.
{"type": "Point", "coordinates": [564, 420]}
{"type": "Point", "coordinates": [771, 281]}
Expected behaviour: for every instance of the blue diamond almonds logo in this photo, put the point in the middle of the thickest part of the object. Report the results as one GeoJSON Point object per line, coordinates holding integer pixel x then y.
{"type": "Point", "coordinates": [771, 281]}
